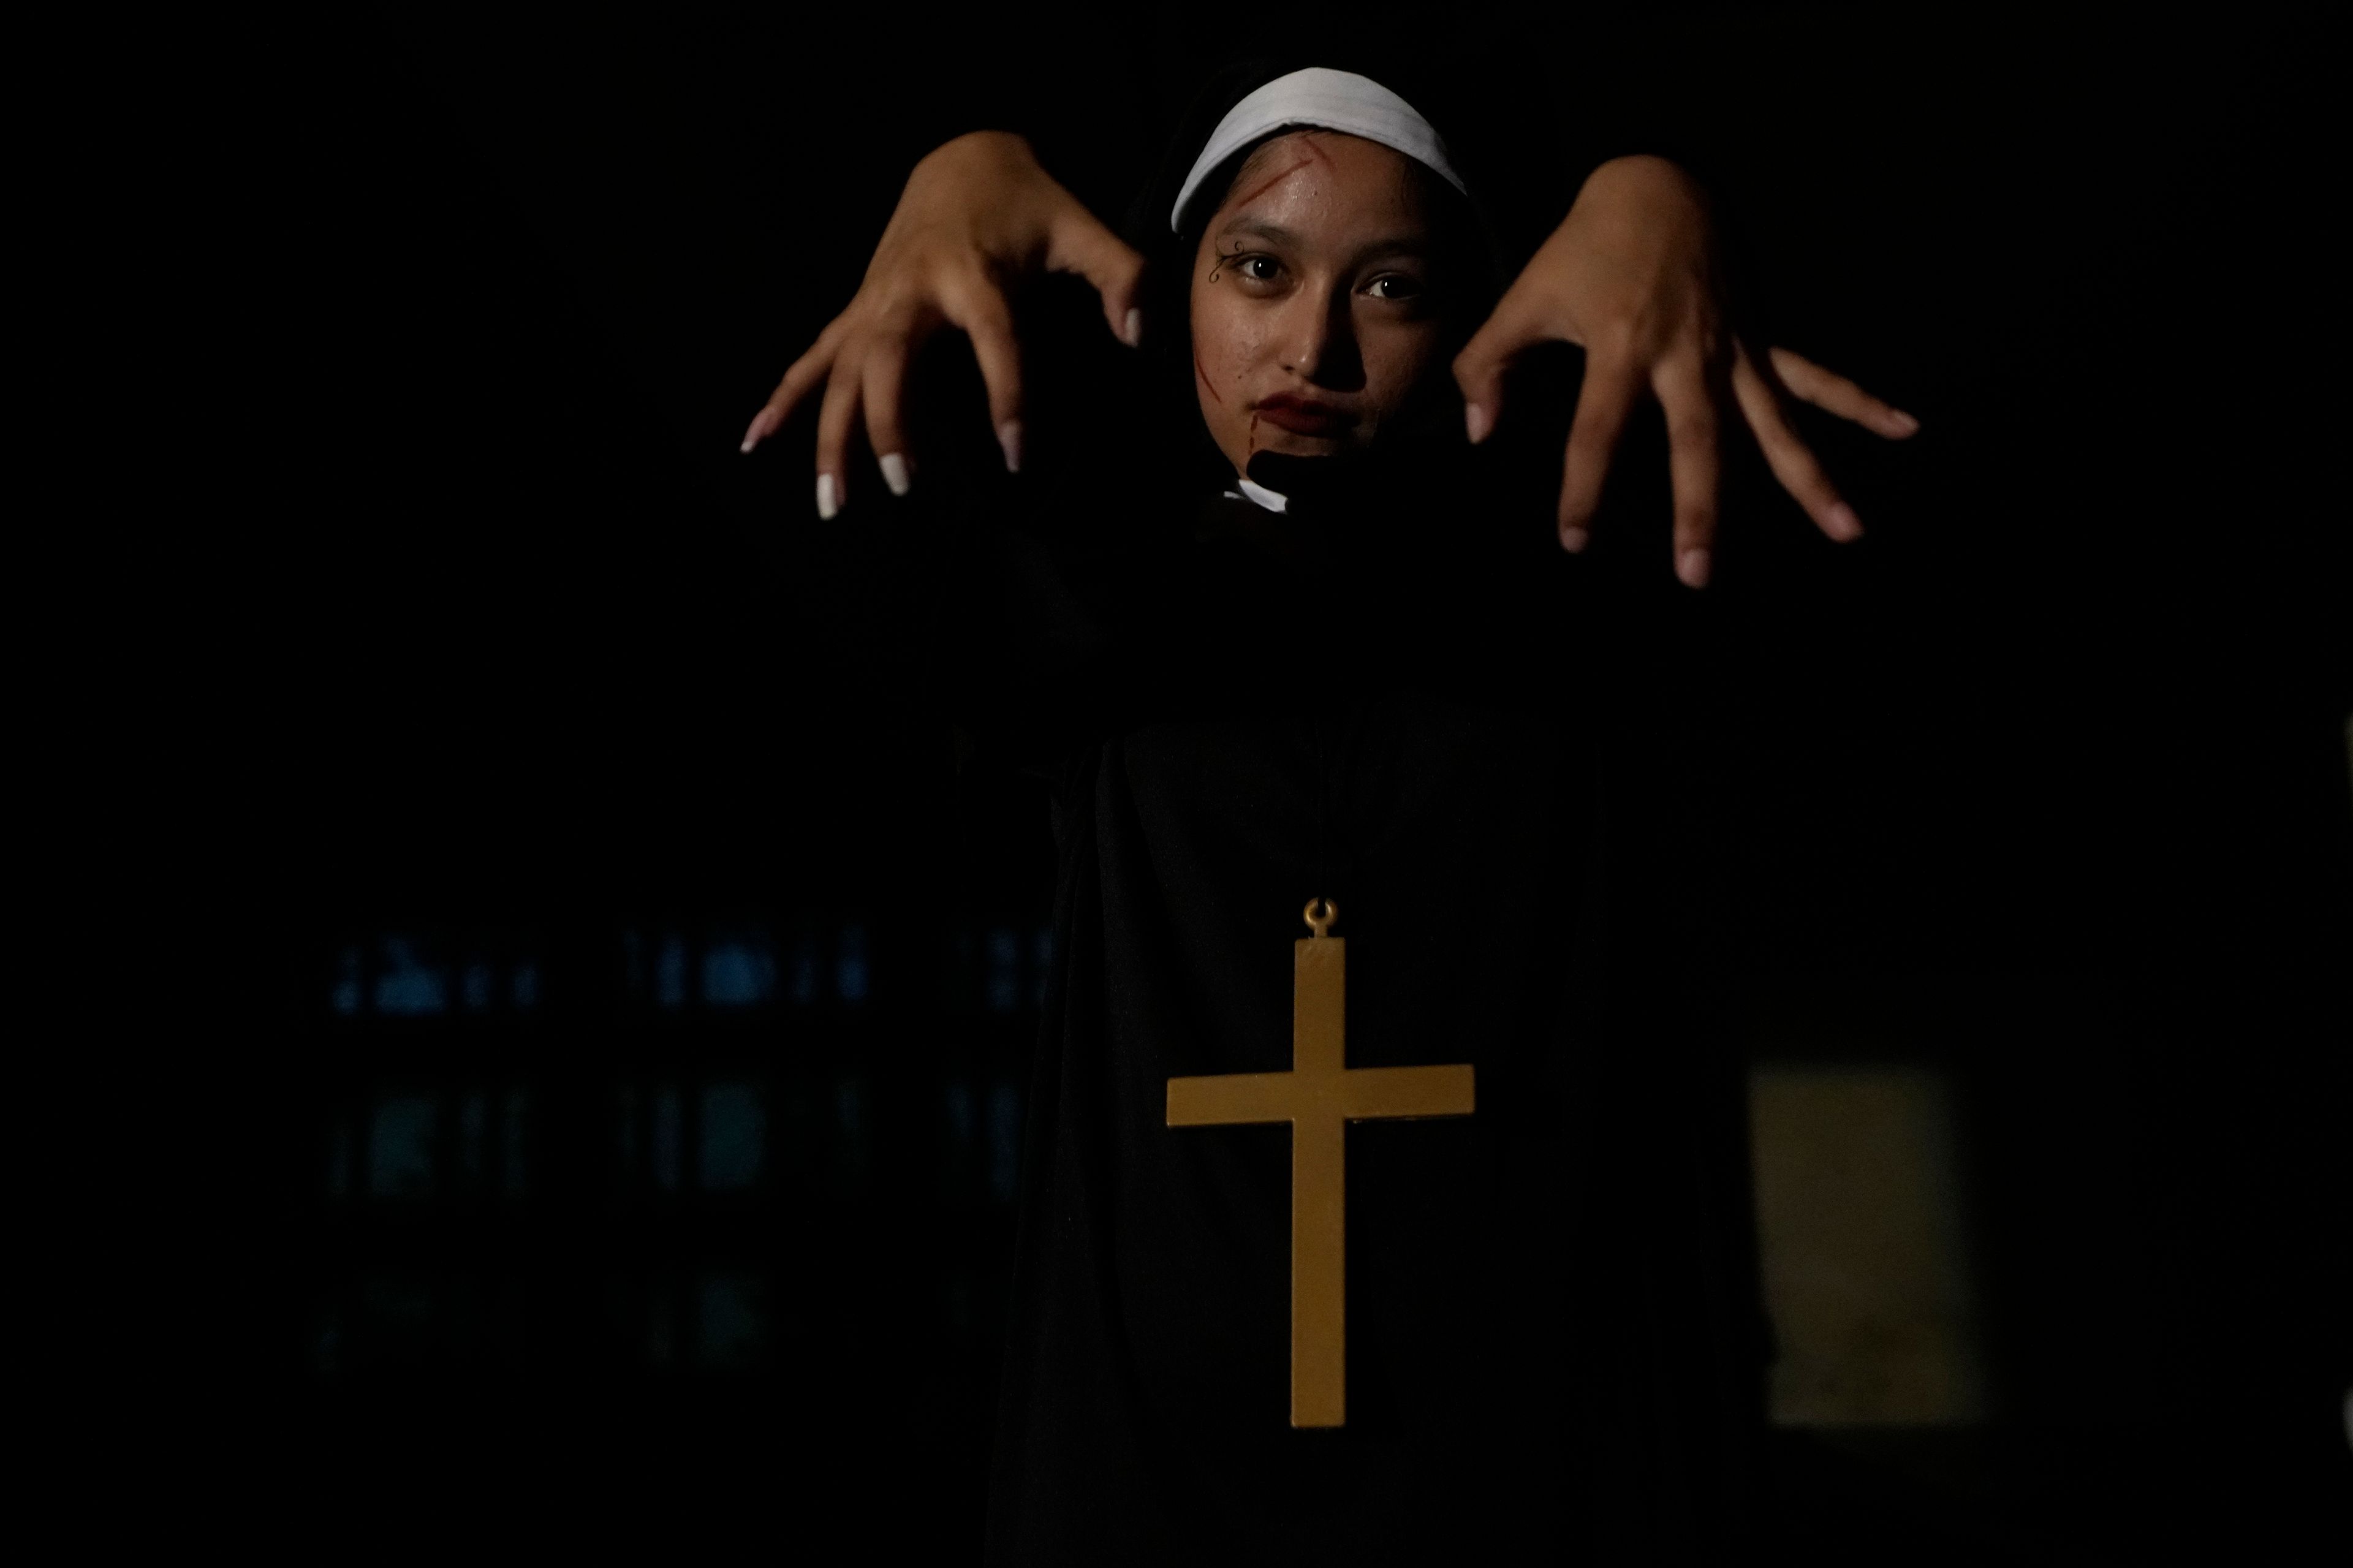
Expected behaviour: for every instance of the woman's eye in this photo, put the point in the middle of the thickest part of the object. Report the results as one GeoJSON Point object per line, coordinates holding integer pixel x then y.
{"type": "Point", "coordinates": [1258, 269]}
{"type": "Point", "coordinates": [1395, 286]}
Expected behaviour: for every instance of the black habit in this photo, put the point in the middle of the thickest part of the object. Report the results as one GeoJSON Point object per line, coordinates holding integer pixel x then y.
{"type": "Point", "coordinates": [1551, 1330]}
{"type": "Point", "coordinates": [1393, 696]}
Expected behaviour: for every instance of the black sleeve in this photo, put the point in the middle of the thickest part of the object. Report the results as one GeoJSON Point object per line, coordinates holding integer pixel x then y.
{"type": "Point", "coordinates": [988, 609]}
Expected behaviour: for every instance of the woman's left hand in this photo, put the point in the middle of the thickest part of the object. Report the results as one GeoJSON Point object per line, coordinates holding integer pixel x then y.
{"type": "Point", "coordinates": [1633, 277]}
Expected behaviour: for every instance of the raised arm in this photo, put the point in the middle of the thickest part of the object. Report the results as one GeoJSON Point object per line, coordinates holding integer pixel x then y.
{"type": "Point", "coordinates": [978, 213]}
{"type": "Point", "coordinates": [1633, 276]}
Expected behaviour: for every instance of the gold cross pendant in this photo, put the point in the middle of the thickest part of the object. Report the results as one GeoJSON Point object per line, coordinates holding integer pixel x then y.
{"type": "Point", "coordinates": [1319, 1096]}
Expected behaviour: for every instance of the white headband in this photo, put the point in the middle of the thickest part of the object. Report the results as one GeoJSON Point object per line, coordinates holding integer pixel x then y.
{"type": "Point", "coordinates": [1331, 100]}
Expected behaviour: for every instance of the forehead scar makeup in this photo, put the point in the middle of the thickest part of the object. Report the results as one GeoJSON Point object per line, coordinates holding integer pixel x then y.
{"type": "Point", "coordinates": [1265, 185]}
{"type": "Point", "coordinates": [1204, 376]}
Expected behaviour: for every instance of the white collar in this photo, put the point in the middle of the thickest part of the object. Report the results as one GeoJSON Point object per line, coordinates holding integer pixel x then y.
{"type": "Point", "coordinates": [1253, 491]}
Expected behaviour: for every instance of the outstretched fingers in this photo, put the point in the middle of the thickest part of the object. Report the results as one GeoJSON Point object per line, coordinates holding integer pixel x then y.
{"type": "Point", "coordinates": [834, 418]}
{"type": "Point", "coordinates": [1083, 245]}
{"type": "Point", "coordinates": [880, 386]}
{"type": "Point", "coordinates": [1604, 402]}
{"type": "Point", "coordinates": [803, 377]}
{"type": "Point", "coordinates": [1694, 464]}
{"type": "Point", "coordinates": [1792, 461]}
{"type": "Point", "coordinates": [1517, 324]}
{"type": "Point", "coordinates": [985, 318]}
{"type": "Point", "coordinates": [1834, 392]}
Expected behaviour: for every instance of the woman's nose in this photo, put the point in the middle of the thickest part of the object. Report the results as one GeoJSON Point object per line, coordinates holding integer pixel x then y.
{"type": "Point", "coordinates": [1320, 339]}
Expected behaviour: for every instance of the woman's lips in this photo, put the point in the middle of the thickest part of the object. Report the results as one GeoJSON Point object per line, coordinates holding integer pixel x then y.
{"type": "Point", "coordinates": [1304, 417]}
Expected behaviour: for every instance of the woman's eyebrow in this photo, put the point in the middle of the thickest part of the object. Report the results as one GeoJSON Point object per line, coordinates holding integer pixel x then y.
{"type": "Point", "coordinates": [1272, 233]}
{"type": "Point", "coordinates": [1413, 245]}
{"type": "Point", "coordinates": [1275, 234]}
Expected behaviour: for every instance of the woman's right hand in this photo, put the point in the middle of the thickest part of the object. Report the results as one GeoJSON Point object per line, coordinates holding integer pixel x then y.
{"type": "Point", "coordinates": [978, 213]}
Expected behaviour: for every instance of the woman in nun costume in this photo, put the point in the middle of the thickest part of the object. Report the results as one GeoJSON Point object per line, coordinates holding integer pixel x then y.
{"type": "Point", "coordinates": [1311, 693]}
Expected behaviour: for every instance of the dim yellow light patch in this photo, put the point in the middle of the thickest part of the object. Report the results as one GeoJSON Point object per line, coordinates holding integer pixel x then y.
{"type": "Point", "coordinates": [1857, 1202]}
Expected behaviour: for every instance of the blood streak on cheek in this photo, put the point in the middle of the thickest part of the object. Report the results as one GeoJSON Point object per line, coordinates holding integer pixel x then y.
{"type": "Point", "coordinates": [1204, 375]}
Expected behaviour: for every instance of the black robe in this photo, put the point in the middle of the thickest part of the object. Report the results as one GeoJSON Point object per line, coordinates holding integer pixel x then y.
{"type": "Point", "coordinates": [1550, 1332]}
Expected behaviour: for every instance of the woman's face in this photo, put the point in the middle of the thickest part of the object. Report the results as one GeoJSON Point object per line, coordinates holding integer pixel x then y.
{"type": "Point", "coordinates": [1314, 305]}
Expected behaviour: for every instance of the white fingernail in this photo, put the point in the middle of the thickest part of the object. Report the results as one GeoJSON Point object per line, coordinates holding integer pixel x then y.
{"type": "Point", "coordinates": [828, 496]}
{"type": "Point", "coordinates": [1008, 436]}
{"type": "Point", "coordinates": [747, 446]}
{"type": "Point", "coordinates": [895, 472]}
{"type": "Point", "coordinates": [1474, 423]}
{"type": "Point", "coordinates": [1132, 330]}
{"type": "Point", "coordinates": [1691, 567]}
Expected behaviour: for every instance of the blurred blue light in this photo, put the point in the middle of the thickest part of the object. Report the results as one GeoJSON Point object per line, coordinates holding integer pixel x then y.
{"type": "Point", "coordinates": [1004, 971]}
{"type": "Point", "coordinates": [734, 1128]}
{"type": "Point", "coordinates": [963, 1119]}
{"type": "Point", "coordinates": [728, 1320]}
{"type": "Point", "coordinates": [400, 1147]}
{"type": "Point", "coordinates": [406, 987]}
{"type": "Point", "coordinates": [1005, 1142]}
{"type": "Point", "coordinates": [670, 973]}
{"type": "Point", "coordinates": [738, 974]}
{"type": "Point", "coordinates": [515, 1172]}
{"type": "Point", "coordinates": [669, 1134]}
{"type": "Point", "coordinates": [850, 1122]}
{"type": "Point", "coordinates": [849, 967]}
{"type": "Point", "coordinates": [804, 971]}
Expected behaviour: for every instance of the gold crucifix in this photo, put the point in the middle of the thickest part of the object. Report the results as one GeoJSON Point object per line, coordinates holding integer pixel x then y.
{"type": "Point", "coordinates": [1319, 1096]}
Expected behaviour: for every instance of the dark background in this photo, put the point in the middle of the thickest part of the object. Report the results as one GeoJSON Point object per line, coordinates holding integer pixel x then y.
{"type": "Point", "coordinates": [623, 998]}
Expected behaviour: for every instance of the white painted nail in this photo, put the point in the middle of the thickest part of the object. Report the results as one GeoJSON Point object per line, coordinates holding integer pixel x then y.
{"type": "Point", "coordinates": [828, 496]}
{"type": "Point", "coordinates": [1691, 567]}
{"type": "Point", "coordinates": [1008, 436]}
{"type": "Point", "coordinates": [894, 471]}
{"type": "Point", "coordinates": [1474, 423]}
{"type": "Point", "coordinates": [1132, 330]}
